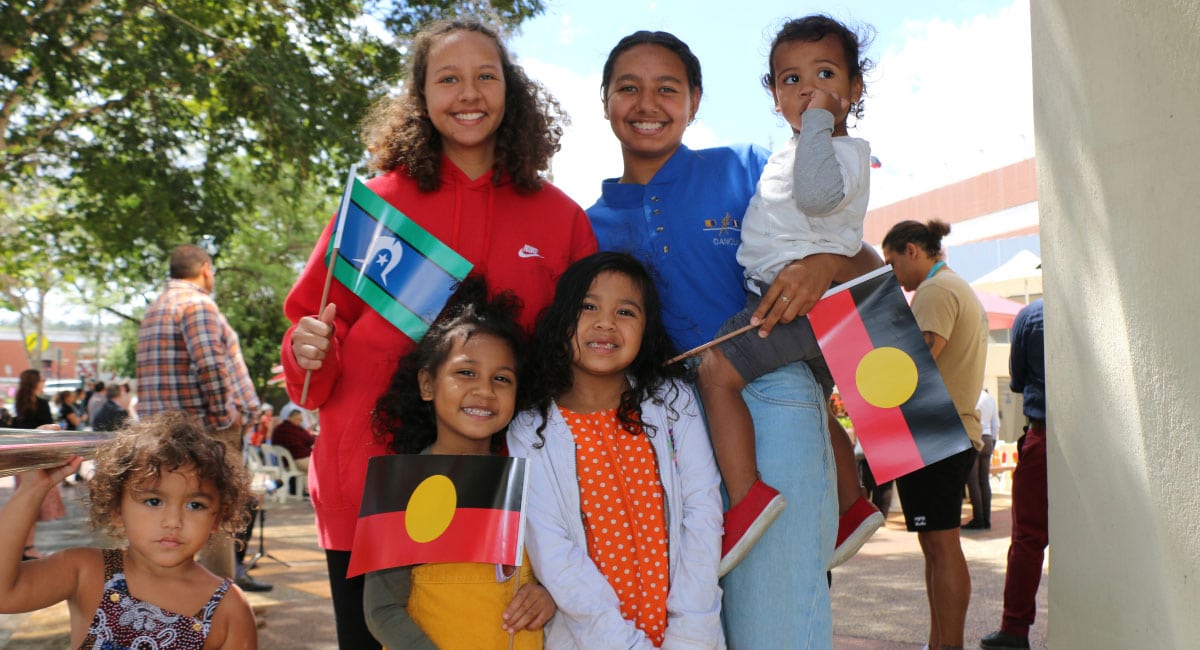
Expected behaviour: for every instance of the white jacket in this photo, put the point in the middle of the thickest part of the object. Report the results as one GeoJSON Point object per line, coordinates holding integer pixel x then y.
{"type": "Point", "coordinates": [589, 614]}
{"type": "Point", "coordinates": [776, 230]}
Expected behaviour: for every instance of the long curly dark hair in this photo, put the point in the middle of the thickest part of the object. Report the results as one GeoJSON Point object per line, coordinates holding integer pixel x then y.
{"type": "Point", "coordinates": [549, 373]}
{"type": "Point", "coordinates": [145, 450]}
{"type": "Point", "coordinates": [404, 421]}
{"type": "Point", "coordinates": [399, 133]}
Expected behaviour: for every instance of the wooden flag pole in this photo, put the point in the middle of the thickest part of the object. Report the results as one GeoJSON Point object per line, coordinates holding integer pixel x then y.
{"type": "Point", "coordinates": [516, 587]}
{"type": "Point", "coordinates": [324, 301]}
{"type": "Point", "coordinates": [337, 246]}
{"type": "Point", "coordinates": [738, 332]}
{"type": "Point", "coordinates": [717, 341]}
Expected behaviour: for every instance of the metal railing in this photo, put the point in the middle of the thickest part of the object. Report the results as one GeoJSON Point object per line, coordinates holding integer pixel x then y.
{"type": "Point", "coordinates": [23, 450]}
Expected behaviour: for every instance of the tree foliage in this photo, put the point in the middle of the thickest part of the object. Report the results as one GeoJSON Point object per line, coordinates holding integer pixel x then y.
{"type": "Point", "coordinates": [128, 127]}
{"type": "Point", "coordinates": [40, 250]}
{"type": "Point", "coordinates": [259, 262]}
{"type": "Point", "coordinates": [137, 109]}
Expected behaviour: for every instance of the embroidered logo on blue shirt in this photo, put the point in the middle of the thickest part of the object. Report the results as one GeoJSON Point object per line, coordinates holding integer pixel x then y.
{"type": "Point", "coordinates": [728, 230]}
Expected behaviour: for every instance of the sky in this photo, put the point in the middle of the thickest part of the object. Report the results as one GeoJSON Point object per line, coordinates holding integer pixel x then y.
{"type": "Point", "coordinates": [950, 96]}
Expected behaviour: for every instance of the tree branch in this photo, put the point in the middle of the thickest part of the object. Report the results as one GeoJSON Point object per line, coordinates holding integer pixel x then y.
{"type": "Point", "coordinates": [135, 321]}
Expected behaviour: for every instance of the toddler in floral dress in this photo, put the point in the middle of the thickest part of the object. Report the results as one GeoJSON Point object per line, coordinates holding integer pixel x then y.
{"type": "Point", "coordinates": [164, 485]}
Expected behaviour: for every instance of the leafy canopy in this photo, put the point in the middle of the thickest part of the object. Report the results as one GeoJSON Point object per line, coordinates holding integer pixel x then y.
{"type": "Point", "coordinates": [138, 109]}
{"type": "Point", "coordinates": [128, 127]}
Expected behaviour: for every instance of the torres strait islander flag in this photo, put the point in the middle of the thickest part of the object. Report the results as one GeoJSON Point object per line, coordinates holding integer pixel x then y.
{"type": "Point", "coordinates": [889, 383]}
{"type": "Point", "coordinates": [393, 264]}
{"type": "Point", "coordinates": [418, 509]}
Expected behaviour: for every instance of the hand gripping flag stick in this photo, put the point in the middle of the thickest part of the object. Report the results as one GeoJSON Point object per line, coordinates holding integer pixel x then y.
{"type": "Point", "coordinates": [742, 330]}
{"type": "Point", "coordinates": [337, 244]}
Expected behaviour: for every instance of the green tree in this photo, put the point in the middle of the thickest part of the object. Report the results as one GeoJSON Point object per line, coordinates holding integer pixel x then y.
{"type": "Point", "coordinates": [138, 109]}
{"type": "Point", "coordinates": [260, 260]}
{"type": "Point", "coordinates": [121, 359]}
{"type": "Point", "coordinates": [40, 248]}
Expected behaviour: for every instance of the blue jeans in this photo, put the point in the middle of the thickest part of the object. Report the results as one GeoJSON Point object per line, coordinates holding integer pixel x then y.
{"type": "Point", "coordinates": [778, 596]}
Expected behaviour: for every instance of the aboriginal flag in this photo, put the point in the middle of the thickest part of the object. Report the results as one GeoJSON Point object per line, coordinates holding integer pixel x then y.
{"type": "Point", "coordinates": [418, 509]}
{"type": "Point", "coordinates": [888, 381]}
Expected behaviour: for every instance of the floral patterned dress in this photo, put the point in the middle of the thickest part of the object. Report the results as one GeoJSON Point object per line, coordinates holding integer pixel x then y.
{"type": "Point", "coordinates": [123, 622]}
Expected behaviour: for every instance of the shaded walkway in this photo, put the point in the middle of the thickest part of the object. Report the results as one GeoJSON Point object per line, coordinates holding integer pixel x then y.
{"type": "Point", "coordinates": [878, 596]}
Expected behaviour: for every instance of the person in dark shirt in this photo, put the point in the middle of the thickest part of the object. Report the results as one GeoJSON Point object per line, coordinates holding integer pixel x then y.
{"type": "Point", "coordinates": [110, 416]}
{"type": "Point", "coordinates": [1030, 530]}
{"type": "Point", "coordinates": [291, 434]}
{"type": "Point", "coordinates": [68, 417]}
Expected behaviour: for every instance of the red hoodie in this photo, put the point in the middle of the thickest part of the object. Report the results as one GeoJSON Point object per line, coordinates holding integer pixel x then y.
{"type": "Point", "coordinates": [518, 242]}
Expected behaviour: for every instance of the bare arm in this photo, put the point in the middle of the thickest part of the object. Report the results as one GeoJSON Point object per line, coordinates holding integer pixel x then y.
{"type": "Point", "coordinates": [35, 584]}
{"type": "Point", "coordinates": [864, 261]}
{"type": "Point", "coordinates": [241, 631]}
{"type": "Point", "coordinates": [936, 344]}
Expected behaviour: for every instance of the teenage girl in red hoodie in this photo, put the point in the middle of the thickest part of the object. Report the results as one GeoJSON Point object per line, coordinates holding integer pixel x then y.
{"type": "Point", "coordinates": [459, 153]}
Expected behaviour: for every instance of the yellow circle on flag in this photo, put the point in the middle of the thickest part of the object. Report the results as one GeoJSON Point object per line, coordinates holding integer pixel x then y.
{"type": "Point", "coordinates": [431, 508]}
{"type": "Point", "coordinates": [886, 377]}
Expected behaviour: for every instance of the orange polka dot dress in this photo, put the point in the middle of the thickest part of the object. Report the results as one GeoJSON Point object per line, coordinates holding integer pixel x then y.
{"type": "Point", "coordinates": [624, 515]}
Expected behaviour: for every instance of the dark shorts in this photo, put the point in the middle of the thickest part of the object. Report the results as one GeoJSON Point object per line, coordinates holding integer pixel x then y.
{"type": "Point", "coordinates": [932, 497]}
{"type": "Point", "coordinates": [753, 356]}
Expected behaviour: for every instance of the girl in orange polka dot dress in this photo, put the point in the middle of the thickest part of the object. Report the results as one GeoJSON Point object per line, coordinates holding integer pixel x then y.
{"type": "Point", "coordinates": [455, 394]}
{"type": "Point", "coordinates": [624, 508]}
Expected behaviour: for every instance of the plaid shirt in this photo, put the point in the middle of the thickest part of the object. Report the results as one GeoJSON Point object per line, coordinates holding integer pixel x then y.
{"type": "Point", "coordinates": [188, 358]}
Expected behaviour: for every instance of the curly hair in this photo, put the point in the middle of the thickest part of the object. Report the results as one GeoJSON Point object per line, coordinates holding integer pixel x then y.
{"type": "Point", "coordinates": [549, 373]}
{"type": "Point", "coordinates": [398, 132]}
{"type": "Point", "coordinates": [142, 452]}
{"type": "Point", "coordinates": [402, 419]}
{"type": "Point", "coordinates": [811, 29]}
{"type": "Point", "coordinates": [927, 237]}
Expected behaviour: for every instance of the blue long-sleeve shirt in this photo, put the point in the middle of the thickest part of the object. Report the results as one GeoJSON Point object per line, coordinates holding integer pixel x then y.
{"type": "Point", "coordinates": [1027, 360]}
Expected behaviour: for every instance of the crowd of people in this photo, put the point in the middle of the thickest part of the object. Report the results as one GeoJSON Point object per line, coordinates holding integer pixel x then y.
{"type": "Point", "coordinates": [699, 503]}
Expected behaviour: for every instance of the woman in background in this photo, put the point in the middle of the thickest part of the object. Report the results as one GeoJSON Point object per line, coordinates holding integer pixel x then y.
{"type": "Point", "coordinates": [33, 411]}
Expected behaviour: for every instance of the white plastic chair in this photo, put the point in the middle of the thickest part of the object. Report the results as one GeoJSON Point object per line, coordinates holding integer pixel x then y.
{"type": "Point", "coordinates": [264, 477]}
{"type": "Point", "coordinates": [279, 458]}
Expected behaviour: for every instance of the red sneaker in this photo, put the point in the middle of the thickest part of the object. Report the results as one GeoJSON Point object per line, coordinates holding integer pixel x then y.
{"type": "Point", "coordinates": [746, 522]}
{"type": "Point", "coordinates": [854, 529]}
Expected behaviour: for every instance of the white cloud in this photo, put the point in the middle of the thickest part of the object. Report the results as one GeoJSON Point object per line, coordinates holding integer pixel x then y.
{"type": "Point", "coordinates": [953, 101]}
{"type": "Point", "coordinates": [589, 151]}
{"type": "Point", "coordinates": [567, 31]}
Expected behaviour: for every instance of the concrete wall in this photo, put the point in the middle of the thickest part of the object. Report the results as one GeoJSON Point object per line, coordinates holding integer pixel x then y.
{"type": "Point", "coordinates": [1117, 114]}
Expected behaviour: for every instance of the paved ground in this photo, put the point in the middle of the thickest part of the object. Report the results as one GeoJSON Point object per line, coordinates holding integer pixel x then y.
{"type": "Point", "coordinates": [878, 596]}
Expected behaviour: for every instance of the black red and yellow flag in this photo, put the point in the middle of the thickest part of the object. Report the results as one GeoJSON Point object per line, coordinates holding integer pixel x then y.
{"type": "Point", "coordinates": [419, 509]}
{"type": "Point", "coordinates": [889, 383]}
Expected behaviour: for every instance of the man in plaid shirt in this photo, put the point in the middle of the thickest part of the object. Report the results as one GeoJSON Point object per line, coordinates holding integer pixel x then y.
{"type": "Point", "coordinates": [189, 359]}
